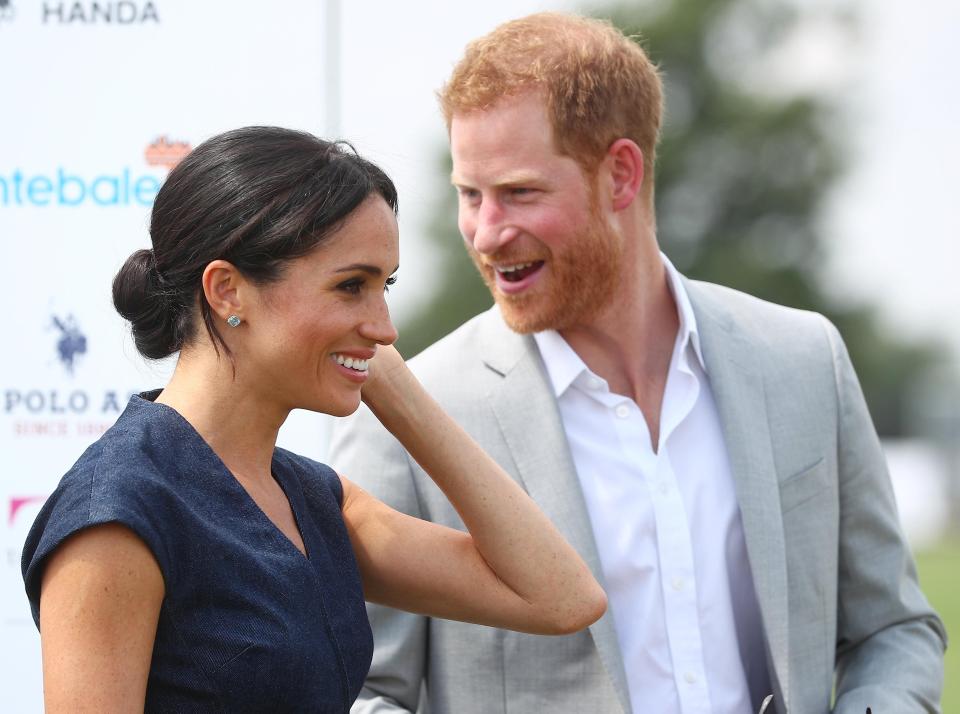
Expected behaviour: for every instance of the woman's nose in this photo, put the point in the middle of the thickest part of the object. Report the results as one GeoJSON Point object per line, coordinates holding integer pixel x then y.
{"type": "Point", "coordinates": [379, 327]}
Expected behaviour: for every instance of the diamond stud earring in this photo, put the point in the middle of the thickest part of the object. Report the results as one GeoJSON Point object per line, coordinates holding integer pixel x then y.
{"type": "Point", "coordinates": [233, 321]}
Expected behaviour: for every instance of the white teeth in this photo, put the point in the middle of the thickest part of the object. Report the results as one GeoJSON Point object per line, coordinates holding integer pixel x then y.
{"type": "Point", "coordinates": [360, 365]}
{"type": "Point", "coordinates": [512, 268]}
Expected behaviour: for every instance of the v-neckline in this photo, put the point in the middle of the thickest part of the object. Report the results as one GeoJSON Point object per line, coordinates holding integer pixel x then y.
{"type": "Point", "coordinates": [297, 522]}
{"type": "Point", "coordinates": [277, 473]}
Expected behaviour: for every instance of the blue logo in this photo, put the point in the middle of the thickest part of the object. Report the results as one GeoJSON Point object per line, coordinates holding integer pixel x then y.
{"type": "Point", "coordinates": [72, 342]}
{"type": "Point", "coordinates": [67, 189]}
{"type": "Point", "coordinates": [123, 187]}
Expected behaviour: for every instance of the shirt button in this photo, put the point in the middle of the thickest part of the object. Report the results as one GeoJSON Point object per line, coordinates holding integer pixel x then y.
{"type": "Point", "coordinates": [690, 677]}
{"type": "Point", "coordinates": [677, 584]}
{"type": "Point", "coordinates": [664, 487]}
{"type": "Point", "coordinates": [623, 411]}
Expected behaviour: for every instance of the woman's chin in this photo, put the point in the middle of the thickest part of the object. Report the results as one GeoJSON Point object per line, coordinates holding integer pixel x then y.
{"type": "Point", "coordinates": [342, 408]}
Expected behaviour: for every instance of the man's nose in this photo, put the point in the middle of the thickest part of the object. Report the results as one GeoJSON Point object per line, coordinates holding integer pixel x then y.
{"type": "Point", "coordinates": [493, 230]}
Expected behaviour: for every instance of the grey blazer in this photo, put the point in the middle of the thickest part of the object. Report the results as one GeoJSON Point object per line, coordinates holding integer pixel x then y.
{"type": "Point", "coordinates": [834, 578]}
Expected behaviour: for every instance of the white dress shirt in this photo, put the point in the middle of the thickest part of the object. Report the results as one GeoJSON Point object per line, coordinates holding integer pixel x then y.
{"type": "Point", "coordinates": [667, 529]}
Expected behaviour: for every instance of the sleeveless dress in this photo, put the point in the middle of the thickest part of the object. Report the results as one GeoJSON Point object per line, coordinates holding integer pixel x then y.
{"type": "Point", "coordinates": [247, 623]}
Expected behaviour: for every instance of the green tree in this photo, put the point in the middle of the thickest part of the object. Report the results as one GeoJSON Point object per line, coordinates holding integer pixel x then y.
{"type": "Point", "coordinates": [743, 171]}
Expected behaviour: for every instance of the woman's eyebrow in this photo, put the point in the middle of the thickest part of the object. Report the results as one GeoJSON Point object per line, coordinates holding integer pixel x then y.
{"type": "Point", "coordinates": [364, 267]}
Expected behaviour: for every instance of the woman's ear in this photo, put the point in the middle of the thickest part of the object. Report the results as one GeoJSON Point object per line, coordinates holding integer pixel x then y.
{"type": "Point", "coordinates": [223, 288]}
{"type": "Point", "coordinates": [624, 162]}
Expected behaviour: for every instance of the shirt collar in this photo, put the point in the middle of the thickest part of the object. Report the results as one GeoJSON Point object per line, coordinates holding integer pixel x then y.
{"type": "Point", "coordinates": [564, 365]}
{"type": "Point", "coordinates": [688, 321]}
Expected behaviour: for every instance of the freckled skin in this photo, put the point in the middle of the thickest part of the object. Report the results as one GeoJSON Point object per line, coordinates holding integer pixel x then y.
{"type": "Point", "coordinates": [319, 309]}
{"type": "Point", "coordinates": [520, 201]}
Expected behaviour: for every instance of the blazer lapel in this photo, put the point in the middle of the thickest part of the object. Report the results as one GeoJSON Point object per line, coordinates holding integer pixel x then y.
{"type": "Point", "coordinates": [527, 413]}
{"type": "Point", "coordinates": [738, 390]}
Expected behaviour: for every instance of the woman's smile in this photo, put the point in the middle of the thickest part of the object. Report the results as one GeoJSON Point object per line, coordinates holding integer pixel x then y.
{"type": "Point", "coordinates": [353, 365]}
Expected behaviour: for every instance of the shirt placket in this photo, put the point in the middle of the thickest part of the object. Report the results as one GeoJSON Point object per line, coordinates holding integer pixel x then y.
{"type": "Point", "coordinates": [679, 589]}
{"type": "Point", "coordinates": [674, 546]}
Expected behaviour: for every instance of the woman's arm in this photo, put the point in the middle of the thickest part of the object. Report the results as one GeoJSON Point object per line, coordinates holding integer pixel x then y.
{"type": "Point", "coordinates": [100, 601]}
{"type": "Point", "coordinates": [513, 569]}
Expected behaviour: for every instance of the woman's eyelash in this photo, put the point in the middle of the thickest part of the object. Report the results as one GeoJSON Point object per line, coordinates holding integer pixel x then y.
{"type": "Point", "coordinates": [354, 286]}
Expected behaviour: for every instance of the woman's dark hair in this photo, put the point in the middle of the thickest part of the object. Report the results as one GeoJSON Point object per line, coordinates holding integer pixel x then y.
{"type": "Point", "coordinates": [256, 197]}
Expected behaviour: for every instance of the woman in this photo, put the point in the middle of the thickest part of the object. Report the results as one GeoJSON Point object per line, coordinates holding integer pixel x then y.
{"type": "Point", "coordinates": [185, 563]}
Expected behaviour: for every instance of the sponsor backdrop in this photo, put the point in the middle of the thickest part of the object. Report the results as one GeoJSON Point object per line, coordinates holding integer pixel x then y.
{"type": "Point", "coordinates": [100, 99]}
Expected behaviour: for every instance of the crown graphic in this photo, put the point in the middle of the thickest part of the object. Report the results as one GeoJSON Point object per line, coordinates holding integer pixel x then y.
{"type": "Point", "coordinates": [164, 152]}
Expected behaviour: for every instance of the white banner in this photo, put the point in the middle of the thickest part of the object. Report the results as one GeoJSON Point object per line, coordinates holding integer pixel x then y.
{"type": "Point", "coordinates": [99, 99]}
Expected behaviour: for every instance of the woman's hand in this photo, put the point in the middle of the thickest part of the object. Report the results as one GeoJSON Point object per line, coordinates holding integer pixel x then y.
{"type": "Point", "coordinates": [389, 377]}
{"type": "Point", "coordinates": [513, 569]}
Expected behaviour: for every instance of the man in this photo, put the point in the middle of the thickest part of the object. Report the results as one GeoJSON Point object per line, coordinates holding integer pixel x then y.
{"type": "Point", "coordinates": [709, 454]}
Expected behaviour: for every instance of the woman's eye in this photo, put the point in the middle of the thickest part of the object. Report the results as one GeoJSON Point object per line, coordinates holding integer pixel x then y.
{"type": "Point", "coordinates": [351, 286]}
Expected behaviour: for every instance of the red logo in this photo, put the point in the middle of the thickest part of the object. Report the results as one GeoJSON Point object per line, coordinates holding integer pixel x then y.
{"type": "Point", "coordinates": [164, 152]}
{"type": "Point", "coordinates": [18, 502]}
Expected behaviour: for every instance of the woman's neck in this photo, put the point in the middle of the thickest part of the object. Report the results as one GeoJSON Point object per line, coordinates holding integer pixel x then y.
{"type": "Point", "coordinates": [233, 420]}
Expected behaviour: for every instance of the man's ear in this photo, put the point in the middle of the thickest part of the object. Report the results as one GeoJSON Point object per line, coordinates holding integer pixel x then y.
{"type": "Point", "coordinates": [223, 286]}
{"type": "Point", "coordinates": [624, 164]}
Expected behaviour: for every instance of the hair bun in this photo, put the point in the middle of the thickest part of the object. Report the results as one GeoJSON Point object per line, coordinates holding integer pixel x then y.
{"type": "Point", "coordinates": [139, 296]}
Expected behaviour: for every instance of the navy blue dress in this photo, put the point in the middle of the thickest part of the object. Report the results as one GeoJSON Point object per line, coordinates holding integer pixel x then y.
{"type": "Point", "coordinates": [247, 624]}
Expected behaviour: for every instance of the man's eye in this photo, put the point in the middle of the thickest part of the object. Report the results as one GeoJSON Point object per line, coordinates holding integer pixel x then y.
{"type": "Point", "coordinates": [392, 280]}
{"type": "Point", "coordinates": [469, 194]}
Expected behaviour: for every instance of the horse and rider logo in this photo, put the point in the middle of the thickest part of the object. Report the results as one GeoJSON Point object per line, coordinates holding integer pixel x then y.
{"type": "Point", "coordinates": [72, 342]}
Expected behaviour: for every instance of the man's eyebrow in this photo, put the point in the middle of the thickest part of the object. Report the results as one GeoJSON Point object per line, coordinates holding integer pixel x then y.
{"type": "Point", "coordinates": [511, 179]}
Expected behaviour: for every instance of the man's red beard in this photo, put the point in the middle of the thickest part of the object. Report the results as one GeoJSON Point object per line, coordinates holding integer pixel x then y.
{"type": "Point", "coordinates": [578, 285]}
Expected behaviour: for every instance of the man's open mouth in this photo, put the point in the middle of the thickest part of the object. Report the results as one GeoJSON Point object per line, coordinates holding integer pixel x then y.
{"type": "Point", "coordinates": [517, 272]}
